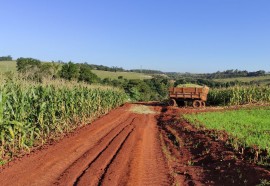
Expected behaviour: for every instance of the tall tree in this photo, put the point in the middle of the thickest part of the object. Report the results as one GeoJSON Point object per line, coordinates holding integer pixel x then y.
{"type": "Point", "coordinates": [27, 64]}
{"type": "Point", "coordinates": [86, 74]}
{"type": "Point", "coordinates": [70, 71]}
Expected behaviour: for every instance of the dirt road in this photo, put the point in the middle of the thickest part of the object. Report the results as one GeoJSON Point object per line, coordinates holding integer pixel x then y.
{"type": "Point", "coordinates": [121, 148]}
{"type": "Point", "coordinates": [130, 148]}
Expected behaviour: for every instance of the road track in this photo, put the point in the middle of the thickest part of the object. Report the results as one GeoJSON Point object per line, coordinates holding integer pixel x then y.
{"type": "Point", "coordinates": [127, 148]}
{"type": "Point", "coordinates": [121, 148]}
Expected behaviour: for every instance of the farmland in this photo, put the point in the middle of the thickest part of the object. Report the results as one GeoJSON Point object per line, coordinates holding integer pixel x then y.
{"type": "Point", "coordinates": [202, 155]}
{"type": "Point", "coordinates": [101, 153]}
{"type": "Point", "coordinates": [239, 95]}
{"type": "Point", "coordinates": [64, 119]}
{"type": "Point", "coordinates": [7, 66]}
{"type": "Point", "coordinates": [149, 141]}
{"type": "Point", "coordinates": [263, 80]}
{"type": "Point", "coordinates": [247, 128]}
{"type": "Point", "coordinates": [10, 66]}
{"type": "Point", "coordinates": [137, 86]}
{"type": "Point", "coordinates": [33, 113]}
{"type": "Point", "coordinates": [114, 75]}
{"type": "Point", "coordinates": [135, 93]}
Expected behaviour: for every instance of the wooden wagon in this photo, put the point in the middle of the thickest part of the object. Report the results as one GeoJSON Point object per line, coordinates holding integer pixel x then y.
{"type": "Point", "coordinates": [198, 95]}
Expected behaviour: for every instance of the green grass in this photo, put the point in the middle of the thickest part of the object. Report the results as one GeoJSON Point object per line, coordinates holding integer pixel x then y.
{"type": "Point", "coordinates": [246, 127]}
{"type": "Point", "coordinates": [114, 75]}
{"type": "Point", "coordinates": [6, 66]}
{"type": "Point", "coordinates": [189, 85]}
{"type": "Point", "coordinates": [261, 79]}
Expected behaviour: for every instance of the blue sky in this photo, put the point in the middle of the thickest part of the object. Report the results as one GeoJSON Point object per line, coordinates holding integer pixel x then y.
{"type": "Point", "coordinates": [168, 35]}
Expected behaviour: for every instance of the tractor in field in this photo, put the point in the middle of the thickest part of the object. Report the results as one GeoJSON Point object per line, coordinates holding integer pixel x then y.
{"type": "Point", "coordinates": [196, 95]}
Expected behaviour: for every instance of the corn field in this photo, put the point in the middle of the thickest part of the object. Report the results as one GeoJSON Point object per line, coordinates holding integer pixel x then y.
{"type": "Point", "coordinates": [239, 95]}
{"type": "Point", "coordinates": [30, 114]}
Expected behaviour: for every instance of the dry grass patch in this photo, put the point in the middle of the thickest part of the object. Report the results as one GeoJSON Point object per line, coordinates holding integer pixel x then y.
{"type": "Point", "coordinates": [141, 109]}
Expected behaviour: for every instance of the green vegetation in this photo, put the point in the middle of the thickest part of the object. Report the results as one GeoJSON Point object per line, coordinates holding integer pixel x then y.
{"type": "Point", "coordinates": [86, 74]}
{"type": "Point", "coordinates": [235, 73]}
{"type": "Point", "coordinates": [32, 113]}
{"type": "Point", "coordinates": [34, 69]}
{"type": "Point", "coordinates": [135, 85]}
{"type": "Point", "coordinates": [43, 101]}
{"type": "Point", "coordinates": [5, 58]}
{"type": "Point", "coordinates": [106, 68]}
{"type": "Point", "coordinates": [188, 85]}
{"type": "Point", "coordinates": [239, 95]}
{"type": "Point", "coordinates": [262, 80]}
{"type": "Point", "coordinates": [147, 71]}
{"type": "Point", "coordinates": [208, 82]}
{"type": "Point", "coordinates": [7, 66]}
{"type": "Point", "coordinates": [70, 71]}
{"type": "Point", "coordinates": [218, 74]}
{"type": "Point", "coordinates": [115, 75]}
{"type": "Point", "coordinates": [246, 127]}
{"type": "Point", "coordinates": [24, 64]}
{"type": "Point", "coordinates": [226, 78]}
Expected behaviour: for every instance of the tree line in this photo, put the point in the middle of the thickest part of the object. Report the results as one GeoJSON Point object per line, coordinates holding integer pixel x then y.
{"type": "Point", "coordinates": [235, 73]}
{"type": "Point", "coordinates": [137, 90]}
{"type": "Point", "coordinates": [218, 75]}
{"type": "Point", "coordinates": [106, 68]}
{"type": "Point", "coordinates": [146, 71]}
{"type": "Point", "coordinates": [215, 84]}
{"type": "Point", "coordinates": [6, 58]}
{"type": "Point", "coordinates": [173, 75]}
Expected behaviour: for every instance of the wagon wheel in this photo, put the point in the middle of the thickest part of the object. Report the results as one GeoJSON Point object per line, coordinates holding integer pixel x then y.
{"type": "Point", "coordinates": [172, 102]}
{"type": "Point", "coordinates": [203, 104]}
{"type": "Point", "coordinates": [196, 104]}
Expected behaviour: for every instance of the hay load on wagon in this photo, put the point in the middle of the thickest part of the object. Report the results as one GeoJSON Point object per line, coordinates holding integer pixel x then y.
{"type": "Point", "coordinates": [195, 94]}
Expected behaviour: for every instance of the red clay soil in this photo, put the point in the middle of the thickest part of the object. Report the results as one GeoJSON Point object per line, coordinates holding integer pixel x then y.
{"type": "Point", "coordinates": [121, 148]}
{"type": "Point", "coordinates": [124, 148]}
{"type": "Point", "coordinates": [195, 157]}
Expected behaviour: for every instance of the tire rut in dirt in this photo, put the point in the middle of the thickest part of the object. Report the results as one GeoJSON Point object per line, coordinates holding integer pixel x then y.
{"type": "Point", "coordinates": [114, 156]}
{"type": "Point", "coordinates": [148, 165]}
{"type": "Point", "coordinates": [75, 171]}
{"type": "Point", "coordinates": [121, 148]}
{"type": "Point", "coordinates": [140, 161]}
{"type": "Point", "coordinates": [45, 165]}
{"type": "Point", "coordinates": [93, 175]}
{"type": "Point", "coordinates": [119, 171]}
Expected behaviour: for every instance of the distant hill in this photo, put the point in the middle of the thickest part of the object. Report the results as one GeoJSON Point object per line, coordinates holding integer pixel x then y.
{"type": "Point", "coordinates": [219, 75]}
{"type": "Point", "coordinates": [10, 66]}
{"type": "Point", "coordinates": [257, 77]}
{"type": "Point", "coordinates": [115, 75]}
{"type": "Point", "coordinates": [147, 71]}
{"type": "Point", "coordinates": [262, 80]}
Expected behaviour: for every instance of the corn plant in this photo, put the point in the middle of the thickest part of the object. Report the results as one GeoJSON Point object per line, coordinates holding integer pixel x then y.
{"type": "Point", "coordinates": [239, 95]}
{"type": "Point", "coordinates": [32, 113]}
